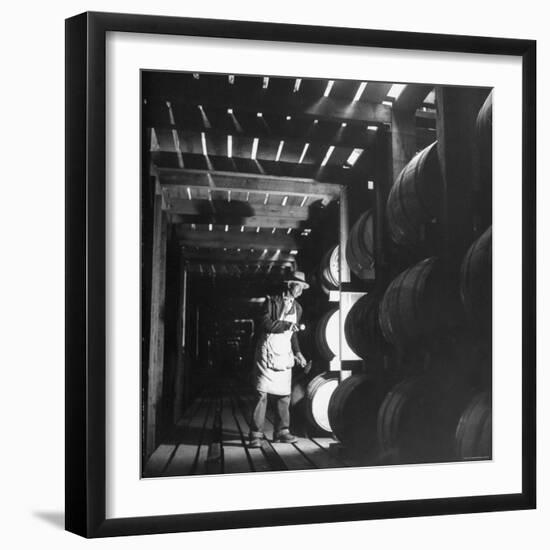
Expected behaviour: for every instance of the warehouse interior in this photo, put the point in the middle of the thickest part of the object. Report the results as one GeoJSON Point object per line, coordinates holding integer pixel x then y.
{"type": "Point", "coordinates": [381, 193]}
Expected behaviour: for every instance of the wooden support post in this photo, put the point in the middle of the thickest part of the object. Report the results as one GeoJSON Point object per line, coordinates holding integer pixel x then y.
{"type": "Point", "coordinates": [403, 140]}
{"type": "Point", "coordinates": [345, 274]}
{"type": "Point", "coordinates": [180, 382]}
{"type": "Point", "coordinates": [457, 110]}
{"type": "Point", "coordinates": [184, 301]}
{"type": "Point", "coordinates": [156, 347]}
{"type": "Point", "coordinates": [382, 185]}
{"type": "Point", "coordinates": [197, 331]}
{"type": "Point", "coordinates": [384, 178]}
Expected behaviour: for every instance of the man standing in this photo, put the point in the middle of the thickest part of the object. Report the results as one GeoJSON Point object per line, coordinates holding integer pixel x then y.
{"type": "Point", "coordinates": [276, 353]}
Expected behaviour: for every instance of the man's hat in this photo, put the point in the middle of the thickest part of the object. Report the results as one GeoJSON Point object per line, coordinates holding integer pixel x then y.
{"type": "Point", "coordinates": [298, 277]}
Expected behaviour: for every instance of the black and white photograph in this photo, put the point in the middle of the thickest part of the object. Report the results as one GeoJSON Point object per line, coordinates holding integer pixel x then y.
{"type": "Point", "coordinates": [316, 273]}
{"type": "Point", "coordinates": [251, 296]}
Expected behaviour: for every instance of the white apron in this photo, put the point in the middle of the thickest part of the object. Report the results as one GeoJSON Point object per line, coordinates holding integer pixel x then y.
{"type": "Point", "coordinates": [275, 359]}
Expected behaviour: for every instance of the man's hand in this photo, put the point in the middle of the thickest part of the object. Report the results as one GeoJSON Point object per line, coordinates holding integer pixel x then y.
{"type": "Point", "coordinates": [301, 360]}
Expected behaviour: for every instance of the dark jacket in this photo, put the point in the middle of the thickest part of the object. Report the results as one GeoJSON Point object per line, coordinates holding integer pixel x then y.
{"type": "Point", "coordinates": [271, 313]}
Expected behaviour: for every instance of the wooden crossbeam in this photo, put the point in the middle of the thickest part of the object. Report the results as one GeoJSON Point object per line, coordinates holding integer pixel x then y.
{"type": "Point", "coordinates": [279, 88]}
{"type": "Point", "coordinates": [325, 108]}
{"type": "Point", "coordinates": [246, 182]}
{"type": "Point", "coordinates": [354, 135]}
{"type": "Point", "coordinates": [254, 196]}
{"type": "Point", "coordinates": [239, 201]}
{"type": "Point", "coordinates": [331, 172]}
{"type": "Point", "coordinates": [267, 148]}
{"type": "Point", "coordinates": [237, 213]}
{"type": "Point", "coordinates": [239, 267]}
{"type": "Point", "coordinates": [222, 239]}
{"type": "Point", "coordinates": [234, 270]}
{"type": "Point", "coordinates": [231, 256]}
{"type": "Point", "coordinates": [234, 221]}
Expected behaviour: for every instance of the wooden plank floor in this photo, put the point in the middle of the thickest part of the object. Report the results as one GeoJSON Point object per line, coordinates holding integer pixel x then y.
{"type": "Point", "coordinates": [212, 438]}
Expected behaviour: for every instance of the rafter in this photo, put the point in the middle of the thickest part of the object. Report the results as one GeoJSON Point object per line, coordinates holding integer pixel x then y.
{"type": "Point", "coordinates": [215, 141]}
{"type": "Point", "coordinates": [333, 171]}
{"type": "Point", "coordinates": [326, 108]}
{"type": "Point", "coordinates": [300, 130]}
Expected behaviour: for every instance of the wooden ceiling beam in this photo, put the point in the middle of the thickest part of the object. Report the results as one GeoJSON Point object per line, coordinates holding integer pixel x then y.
{"type": "Point", "coordinates": [242, 195]}
{"type": "Point", "coordinates": [162, 85]}
{"type": "Point", "coordinates": [354, 135]}
{"type": "Point", "coordinates": [330, 173]}
{"type": "Point", "coordinates": [251, 222]}
{"type": "Point", "coordinates": [250, 273]}
{"type": "Point", "coordinates": [222, 239]}
{"type": "Point", "coordinates": [246, 182]}
{"type": "Point", "coordinates": [242, 268]}
{"type": "Point", "coordinates": [238, 212]}
{"type": "Point", "coordinates": [269, 148]}
{"type": "Point", "coordinates": [233, 256]}
{"type": "Point", "coordinates": [324, 108]}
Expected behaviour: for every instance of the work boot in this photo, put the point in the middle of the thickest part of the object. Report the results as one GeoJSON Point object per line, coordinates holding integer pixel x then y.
{"type": "Point", "coordinates": [255, 442]}
{"type": "Point", "coordinates": [286, 438]}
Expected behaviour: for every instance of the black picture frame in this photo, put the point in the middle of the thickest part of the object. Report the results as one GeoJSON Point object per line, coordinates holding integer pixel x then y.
{"type": "Point", "coordinates": [86, 268]}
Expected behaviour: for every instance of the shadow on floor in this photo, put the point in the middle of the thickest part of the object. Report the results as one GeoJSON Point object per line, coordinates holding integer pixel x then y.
{"type": "Point", "coordinates": [57, 519]}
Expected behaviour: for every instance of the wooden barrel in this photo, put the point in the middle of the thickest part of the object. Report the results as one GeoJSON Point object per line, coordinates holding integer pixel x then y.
{"type": "Point", "coordinates": [362, 328]}
{"type": "Point", "coordinates": [414, 199]}
{"type": "Point", "coordinates": [418, 417]}
{"type": "Point", "coordinates": [352, 412]}
{"type": "Point", "coordinates": [318, 393]}
{"type": "Point", "coordinates": [360, 246]}
{"type": "Point", "coordinates": [327, 334]}
{"type": "Point", "coordinates": [484, 121]}
{"type": "Point", "coordinates": [329, 270]}
{"type": "Point", "coordinates": [390, 415]}
{"type": "Point", "coordinates": [419, 304]}
{"type": "Point", "coordinates": [484, 138]}
{"type": "Point", "coordinates": [474, 430]}
{"type": "Point", "coordinates": [476, 281]}
{"type": "Point", "coordinates": [483, 183]}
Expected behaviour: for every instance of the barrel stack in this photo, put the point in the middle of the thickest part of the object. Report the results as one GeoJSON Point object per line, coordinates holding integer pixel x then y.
{"type": "Point", "coordinates": [440, 307]}
{"type": "Point", "coordinates": [420, 323]}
